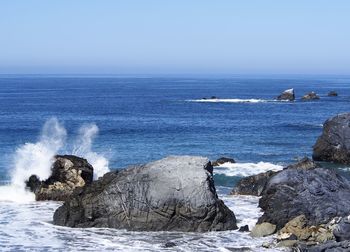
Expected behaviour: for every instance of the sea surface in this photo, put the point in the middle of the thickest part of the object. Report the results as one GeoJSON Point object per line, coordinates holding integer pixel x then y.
{"type": "Point", "coordinates": [117, 121]}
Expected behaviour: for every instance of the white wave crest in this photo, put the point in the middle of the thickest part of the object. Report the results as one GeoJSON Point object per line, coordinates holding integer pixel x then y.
{"type": "Point", "coordinates": [234, 100]}
{"type": "Point", "coordinates": [245, 169]}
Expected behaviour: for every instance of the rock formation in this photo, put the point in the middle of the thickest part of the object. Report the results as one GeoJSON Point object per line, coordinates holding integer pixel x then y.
{"type": "Point", "coordinates": [310, 96]}
{"type": "Point", "coordinates": [287, 95]}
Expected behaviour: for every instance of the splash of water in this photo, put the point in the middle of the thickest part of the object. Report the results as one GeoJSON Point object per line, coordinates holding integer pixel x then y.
{"type": "Point", "coordinates": [83, 148]}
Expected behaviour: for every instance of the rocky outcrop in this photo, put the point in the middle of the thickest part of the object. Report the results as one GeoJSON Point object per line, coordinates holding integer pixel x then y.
{"type": "Point", "coordinates": [252, 185]}
{"type": "Point", "coordinates": [334, 143]}
{"type": "Point", "coordinates": [287, 95]}
{"type": "Point", "coordinates": [318, 194]}
{"type": "Point", "coordinates": [310, 96]}
{"type": "Point", "coordinates": [332, 93]}
{"type": "Point", "coordinates": [176, 193]}
{"type": "Point", "coordinates": [68, 172]}
{"type": "Point", "coordinates": [223, 160]}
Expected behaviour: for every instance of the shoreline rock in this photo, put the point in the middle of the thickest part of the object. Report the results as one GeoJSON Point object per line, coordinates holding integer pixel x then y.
{"type": "Point", "coordinates": [68, 173]}
{"type": "Point", "coordinates": [176, 193]}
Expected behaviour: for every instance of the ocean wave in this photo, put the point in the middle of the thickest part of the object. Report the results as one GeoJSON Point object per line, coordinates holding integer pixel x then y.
{"type": "Point", "coordinates": [233, 100]}
{"type": "Point", "coordinates": [245, 169]}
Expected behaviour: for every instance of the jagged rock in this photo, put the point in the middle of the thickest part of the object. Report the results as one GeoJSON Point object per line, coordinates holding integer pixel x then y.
{"type": "Point", "coordinates": [263, 229]}
{"type": "Point", "coordinates": [334, 143]}
{"type": "Point", "coordinates": [176, 193]}
{"type": "Point", "coordinates": [319, 194]}
{"type": "Point", "coordinates": [252, 185]}
{"type": "Point", "coordinates": [310, 96]}
{"type": "Point", "coordinates": [223, 160]}
{"type": "Point", "coordinates": [330, 246]}
{"type": "Point", "coordinates": [287, 95]}
{"type": "Point", "coordinates": [68, 172]}
{"type": "Point", "coordinates": [332, 93]}
{"type": "Point", "coordinates": [244, 228]}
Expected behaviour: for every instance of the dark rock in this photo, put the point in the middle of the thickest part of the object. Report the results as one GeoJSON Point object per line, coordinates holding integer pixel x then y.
{"type": "Point", "coordinates": [176, 193]}
{"type": "Point", "coordinates": [330, 246]}
{"type": "Point", "coordinates": [342, 231]}
{"type": "Point", "coordinates": [304, 164]}
{"type": "Point", "coordinates": [214, 97]}
{"type": "Point", "coordinates": [244, 228]}
{"type": "Point", "coordinates": [334, 143]}
{"type": "Point", "coordinates": [310, 96]}
{"type": "Point", "coordinates": [332, 93]}
{"type": "Point", "coordinates": [287, 95]}
{"type": "Point", "coordinates": [319, 194]}
{"type": "Point", "coordinates": [170, 245]}
{"type": "Point", "coordinates": [223, 160]}
{"type": "Point", "coordinates": [252, 185]}
{"type": "Point", "coordinates": [68, 173]}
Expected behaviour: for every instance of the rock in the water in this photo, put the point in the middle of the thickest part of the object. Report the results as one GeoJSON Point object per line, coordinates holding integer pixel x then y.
{"type": "Point", "coordinates": [342, 230]}
{"type": "Point", "coordinates": [332, 93]}
{"type": "Point", "coordinates": [263, 229]}
{"type": "Point", "coordinates": [253, 185]}
{"type": "Point", "coordinates": [287, 95]}
{"type": "Point", "coordinates": [310, 96]}
{"type": "Point", "coordinates": [176, 193]}
{"type": "Point", "coordinates": [244, 228]}
{"type": "Point", "coordinates": [223, 160]}
{"type": "Point", "coordinates": [68, 173]}
{"type": "Point", "coordinates": [318, 194]}
{"type": "Point", "coordinates": [334, 143]}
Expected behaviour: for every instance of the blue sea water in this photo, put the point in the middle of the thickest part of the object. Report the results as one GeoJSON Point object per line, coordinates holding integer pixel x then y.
{"type": "Point", "coordinates": [146, 118]}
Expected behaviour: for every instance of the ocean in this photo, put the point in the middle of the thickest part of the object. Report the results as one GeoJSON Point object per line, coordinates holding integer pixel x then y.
{"type": "Point", "coordinates": [116, 121]}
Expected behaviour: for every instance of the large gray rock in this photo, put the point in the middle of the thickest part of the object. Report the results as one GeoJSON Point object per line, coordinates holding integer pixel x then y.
{"type": "Point", "coordinates": [68, 172]}
{"type": "Point", "coordinates": [318, 194]}
{"type": "Point", "coordinates": [175, 193]}
{"type": "Point", "coordinates": [287, 95]}
{"type": "Point", "coordinates": [334, 143]}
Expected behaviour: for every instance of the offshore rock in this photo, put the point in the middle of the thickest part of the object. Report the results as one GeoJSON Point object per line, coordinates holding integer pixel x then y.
{"type": "Point", "coordinates": [318, 194]}
{"type": "Point", "coordinates": [223, 160]}
{"type": "Point", "coordinates": [287, 95]}
{"type": "Point", "coordinates": [68, 172]}
{"type": "Point", "coordinates": [176, 193]}
{"type": "Point", "coordinates": [332, 93]}
{"type": "Point", "coordinates": [310, 96]}
{"type": "Point", "coordinates": [334, 143]}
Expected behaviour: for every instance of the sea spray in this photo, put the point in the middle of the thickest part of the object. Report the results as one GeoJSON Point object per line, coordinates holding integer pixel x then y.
{"type": "Point", "coordinates": [83, 147]}
{"type": "Point", "coordinates": [37, 158]}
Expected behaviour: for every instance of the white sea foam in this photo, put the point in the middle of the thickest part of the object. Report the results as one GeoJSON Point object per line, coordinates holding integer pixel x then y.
{"type": "Point", "coordinates": [37, 158]}
{"type": "Point", "coordinates": [233, 100]}
{"type": "Point", "coordinates": [245, 169]}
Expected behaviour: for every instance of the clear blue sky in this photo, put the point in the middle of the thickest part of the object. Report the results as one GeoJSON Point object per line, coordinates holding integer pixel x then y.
{"type": "Point", "coordinates": [179, 36]}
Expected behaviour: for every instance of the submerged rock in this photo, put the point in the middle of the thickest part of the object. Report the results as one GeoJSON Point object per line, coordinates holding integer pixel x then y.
{"type": "Point", "coordinates": [318, 194]}
{"type": "Point", "coordinates": [334, 143]}
{"type": "Point", "coordinates": [332, 93]}
{"type": "Point", "coordinates": [310, 96]}
{"type": "Point", "coordinates": [223, 160]}
{"type": "Point", "coordinates": [176, 193]}
{"type": "Point", "coordinates": [287, 95]}
{"type": "Point", "coordinates": [68, 172]}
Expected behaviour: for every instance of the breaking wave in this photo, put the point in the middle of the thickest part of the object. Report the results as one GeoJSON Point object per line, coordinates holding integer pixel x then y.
{"type": "Point", "coordinates": [245, 169]}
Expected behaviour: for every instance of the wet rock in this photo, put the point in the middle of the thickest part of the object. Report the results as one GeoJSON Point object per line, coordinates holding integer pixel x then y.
{"type": "Point", "coordinates": [263, 229]}
{"type": "Point", "coordinates": [244, 228]}
{"type": "Point", "coordinates": [329, 246]}
{"type": "Point", "coordinates": [332, 93]}
{"type": "Point", "coordinates": [287, 95]}
{"type": "Point", "coordinates": [310, 96]}
{"type": "Point", "coordinates": [287, 243]}
{"type": "Point", "coordinates": [223, 160]}
{"type": "Point", "coordinates": [68, 173]}
{"type": "Point", "coordinates": [342, 230]}
{"type": "Point", "coordinates": [176, 193]}
{"type": "Point", "coordinates": [318, 194]}
{"type": "Point", "coordinates": [170, 245]}
{"type": "Point", "coordinates": [334, 143]}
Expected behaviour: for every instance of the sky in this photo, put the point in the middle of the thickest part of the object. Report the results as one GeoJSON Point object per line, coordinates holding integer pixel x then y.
{"type": "Point", "coordinates": [174, 37]}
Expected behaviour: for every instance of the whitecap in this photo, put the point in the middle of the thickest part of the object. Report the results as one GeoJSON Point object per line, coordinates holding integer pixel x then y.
{"type": "Point", "coordinates": [245, 169]}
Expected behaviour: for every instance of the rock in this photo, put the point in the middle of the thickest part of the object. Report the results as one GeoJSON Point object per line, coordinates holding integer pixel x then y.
{"type": "Point", "coordinates": [287, 243]}
{"type": "Point", "coordinates": [342, 230]}
{"type": "Point", "coordinates": [334, 143]}
{"type": "Point", "coordinates": [287, 95]}
{"type": "Point", "coordinates": [329, 246]}
{"type": "Point", "coordinates": [310, 96]}
{"type": "Point", "coordinates": [297, 227]}
{"type": "Point", "coordinates": [68, 172]}
{"type": "Point", "coordinates": [223, 160]}
{"type": "Point", "coordinates": [169, 245]}
{"type": "Point", "coordinates": [255, 184]}
{"type": "Point", "coordinates": [252, 185]}
{"type": "Point", "coordinates": [176, 193]}
{"type": "Point", "coordinates": [318, 194]}
{"type": "Point", "coordinates": [332, 93]}
{"type": "Point", "coordinates": [244, 228]}
{"type": "Point", "coordinates": [263, 229]}
{"type": "Point", "coordinates": [214, 97]}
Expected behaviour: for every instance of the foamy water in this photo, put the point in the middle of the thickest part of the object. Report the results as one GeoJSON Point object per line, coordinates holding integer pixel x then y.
{"type": "Point", "coordinates": [246, 169]}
